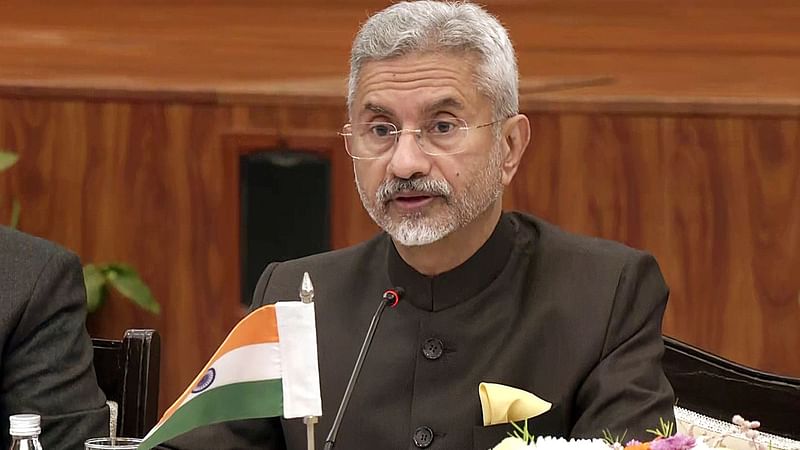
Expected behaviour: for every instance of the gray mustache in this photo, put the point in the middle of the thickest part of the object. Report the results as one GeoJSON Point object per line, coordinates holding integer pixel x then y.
{"type": "Point", "coordinates": [389, 188]}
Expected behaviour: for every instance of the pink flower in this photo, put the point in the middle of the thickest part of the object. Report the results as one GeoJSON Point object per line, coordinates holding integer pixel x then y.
{"type": "Point", "coordinates": [677, 442]}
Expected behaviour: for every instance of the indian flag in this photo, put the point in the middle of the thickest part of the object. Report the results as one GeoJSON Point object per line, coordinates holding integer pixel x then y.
{"type": "Point", "coordinates": [266, 367]}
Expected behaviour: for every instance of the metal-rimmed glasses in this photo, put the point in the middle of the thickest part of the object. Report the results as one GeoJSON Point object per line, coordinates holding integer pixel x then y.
{"type": "Point", "coordinates": [435, 137]}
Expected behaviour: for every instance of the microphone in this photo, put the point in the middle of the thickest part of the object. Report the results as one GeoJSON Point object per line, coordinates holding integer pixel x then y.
{"type": "Point", "coordinates": [390, 298]}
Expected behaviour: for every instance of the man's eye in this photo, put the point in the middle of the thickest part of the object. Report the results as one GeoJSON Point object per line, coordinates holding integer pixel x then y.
{"type": "Point", "coordinates": [381, 130]}
{"type": "Point", "coordinates": [442, 127]}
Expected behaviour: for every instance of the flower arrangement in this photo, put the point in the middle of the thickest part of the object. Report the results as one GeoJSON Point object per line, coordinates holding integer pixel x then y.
{"type": "Point", "coordinates": [664, 439]}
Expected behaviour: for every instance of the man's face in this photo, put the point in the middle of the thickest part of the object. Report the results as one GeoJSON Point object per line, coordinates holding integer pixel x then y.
{"type": "Point", "coordinates": [417, 198]}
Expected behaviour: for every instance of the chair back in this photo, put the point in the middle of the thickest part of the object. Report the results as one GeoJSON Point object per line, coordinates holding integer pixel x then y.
{"type": "Point", "coordinates": [718, 388]}
{"type": "Point", "coordinates": [127, 372]}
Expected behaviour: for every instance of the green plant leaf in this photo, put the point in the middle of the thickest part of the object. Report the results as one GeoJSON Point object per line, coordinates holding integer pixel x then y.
{"type": "Point", "coordinates": [95, 283]}
{"type": "Point", "coordinates": [7, 159]}
{"type": "Point", "coordinates": [128, 283]}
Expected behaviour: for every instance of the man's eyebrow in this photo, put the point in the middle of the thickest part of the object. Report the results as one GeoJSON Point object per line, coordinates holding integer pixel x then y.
{"type": "Point", "coordinates": [445, 103]}
{"type": "Point", "coordinates": [377, 109]}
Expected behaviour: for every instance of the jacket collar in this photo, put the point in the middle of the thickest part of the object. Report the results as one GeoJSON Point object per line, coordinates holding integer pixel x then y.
{"type": "Point", "coordinates": [459, 284]}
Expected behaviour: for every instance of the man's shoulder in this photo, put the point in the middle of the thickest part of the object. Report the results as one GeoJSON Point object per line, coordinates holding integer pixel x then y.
{"type": "Point", "coordinates": [18, 243]}
{"type": "Point", "coordinates": [23, 256]}
{"type": "Point", "coordinates": [558, 245]}
{"type": "Point", "coordinates": [31, 269]}
{"type": "Point", "coordinates": [580, 272]}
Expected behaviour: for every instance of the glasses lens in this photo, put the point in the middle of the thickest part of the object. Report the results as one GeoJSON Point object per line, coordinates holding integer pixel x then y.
{"type": "Point", "coordinates": [371, 140]}
{"type": "Point", "coordinates": [443, 136]}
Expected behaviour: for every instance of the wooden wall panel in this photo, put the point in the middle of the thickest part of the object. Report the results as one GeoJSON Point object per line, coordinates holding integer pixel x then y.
{"type": "Point", "coordinates": [772, 161]}
{"type": "Point", "coordinates": [139, 183]}
{"type": "Point", "coordinates": [597, 173]}
{"type": "Point", "coordinates": [699, 156]}
{"type": "Point", "coordinates": [700, 48]}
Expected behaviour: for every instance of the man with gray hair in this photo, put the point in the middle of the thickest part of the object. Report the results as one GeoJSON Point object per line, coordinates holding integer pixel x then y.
{"type": "Point", "coordinates": [435, 135]}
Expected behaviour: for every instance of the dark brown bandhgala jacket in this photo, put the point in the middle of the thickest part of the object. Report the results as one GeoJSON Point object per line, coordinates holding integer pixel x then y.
{"type": "Point", "coordinates": [46, 362]}
{"type": "Point", "coordinates": [574, 320]}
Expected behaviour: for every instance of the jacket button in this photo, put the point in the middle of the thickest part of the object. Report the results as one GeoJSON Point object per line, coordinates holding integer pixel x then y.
{"type": "Point", "coordinates": [423, 436]}
{"type": "Point", "coordinates": [432, 348]}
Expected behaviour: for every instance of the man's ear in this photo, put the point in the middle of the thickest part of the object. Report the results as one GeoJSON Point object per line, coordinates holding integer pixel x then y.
{"type": "Point", "coordinates": [516, 134]}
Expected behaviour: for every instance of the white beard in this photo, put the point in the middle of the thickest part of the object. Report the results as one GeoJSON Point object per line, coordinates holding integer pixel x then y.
{"type": "Point", "coordinates": [422, 231]}
{"type": "Point", "coordinates": [459, 209]}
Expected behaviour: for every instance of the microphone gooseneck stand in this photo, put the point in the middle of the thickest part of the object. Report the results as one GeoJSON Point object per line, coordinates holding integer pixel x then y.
{"type": "Point", "coordinates": [390, 298]}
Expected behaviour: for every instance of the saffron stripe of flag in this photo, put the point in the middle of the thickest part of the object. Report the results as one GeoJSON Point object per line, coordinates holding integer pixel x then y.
{"type": "Point", "coordinates": [266, 367]}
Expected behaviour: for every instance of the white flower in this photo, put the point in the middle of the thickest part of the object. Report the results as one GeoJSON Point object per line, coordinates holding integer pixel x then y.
{"type": "Point", "coordinates": [512, 443]}
{"type": "Point", "coordinates": [552, 443]}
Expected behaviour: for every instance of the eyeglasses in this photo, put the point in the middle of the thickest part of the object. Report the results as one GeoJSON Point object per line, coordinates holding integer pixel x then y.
{"type": "Point", "coordinates": [435, 137]}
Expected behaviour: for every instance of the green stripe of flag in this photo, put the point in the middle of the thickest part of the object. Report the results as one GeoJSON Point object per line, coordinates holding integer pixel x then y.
{"type": "Point", "coordinates": [231, 402]}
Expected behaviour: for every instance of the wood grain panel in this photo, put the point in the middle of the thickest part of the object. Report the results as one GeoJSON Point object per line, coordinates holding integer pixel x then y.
{"type": "Point", "coordinates": [536, 184]}
{"type": "Point", "coordinates": [136, 183]}
{"type": "Point", "coordinates": [698, 208]}
{"type": "Point", "coordinates": [772, 177]}
{"type": "Point", "coordinates": [729, 238]}
{"type": "Point", "coordinates": [594, 173]}
{"type": "Point", "coordinates": [699, 49]}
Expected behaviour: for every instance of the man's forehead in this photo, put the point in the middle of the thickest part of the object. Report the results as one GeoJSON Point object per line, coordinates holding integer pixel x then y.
{"type": "Point", "coordinates": [416, 71]}
{"type": "Point", "coordinates": [418, 82]}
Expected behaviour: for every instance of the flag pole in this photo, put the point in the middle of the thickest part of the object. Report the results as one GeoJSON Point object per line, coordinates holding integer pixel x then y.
{"type": "Point", "coordinates": [310, 421]}
{"type": "Point", "coordinates": [307, 296]}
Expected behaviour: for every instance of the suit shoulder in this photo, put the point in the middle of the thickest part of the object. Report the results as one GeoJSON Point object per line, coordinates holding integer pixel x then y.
{"type": "Point", "coordinates": [30, 269]}
{"type": "Point", "coordinates": [581, 271]}
{"type": "Point", "coordinates": [26, 256]}
{"type": "Point", "coordinates": [556, 244]}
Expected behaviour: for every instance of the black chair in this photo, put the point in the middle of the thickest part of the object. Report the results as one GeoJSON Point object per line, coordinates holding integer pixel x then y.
{"type": "Point", "coordinates": [127, 372]}
{"type": "Point", "coordinates": [718, 388]}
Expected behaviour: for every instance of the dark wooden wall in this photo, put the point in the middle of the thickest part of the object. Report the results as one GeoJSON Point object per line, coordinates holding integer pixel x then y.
{"type": "Point", "coordinates": [671, 126]}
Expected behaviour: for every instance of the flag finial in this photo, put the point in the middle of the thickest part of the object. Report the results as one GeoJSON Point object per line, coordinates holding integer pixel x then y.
{"type": "Point", "coordinates": [306, 289]}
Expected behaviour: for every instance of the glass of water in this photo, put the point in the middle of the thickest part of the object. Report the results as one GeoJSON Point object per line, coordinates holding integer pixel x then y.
{"type": "Point", "coordinates": [112, 443]}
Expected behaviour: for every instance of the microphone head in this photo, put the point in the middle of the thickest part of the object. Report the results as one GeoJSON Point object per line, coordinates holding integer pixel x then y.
{"type": "Point", "coordinates": [392, 296]}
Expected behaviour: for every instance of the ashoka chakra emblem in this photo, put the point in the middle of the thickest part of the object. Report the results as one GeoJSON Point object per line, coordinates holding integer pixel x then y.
{"type": "Point", "coordinates": [206, 381]}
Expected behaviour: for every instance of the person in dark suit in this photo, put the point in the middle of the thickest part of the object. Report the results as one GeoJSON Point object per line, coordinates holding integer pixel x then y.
{"type": "Point", "coordinates": [46, 361]}
{"type": "Point", "coordinates": [435, 136]}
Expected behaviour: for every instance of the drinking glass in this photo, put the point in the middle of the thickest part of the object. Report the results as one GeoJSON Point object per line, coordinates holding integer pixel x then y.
{"type": "Point", "coordinates": [112, 443]}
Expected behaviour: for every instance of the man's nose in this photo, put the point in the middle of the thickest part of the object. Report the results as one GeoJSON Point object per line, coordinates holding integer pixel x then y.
{"type": "Point", "coordinates": [408, 159]}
